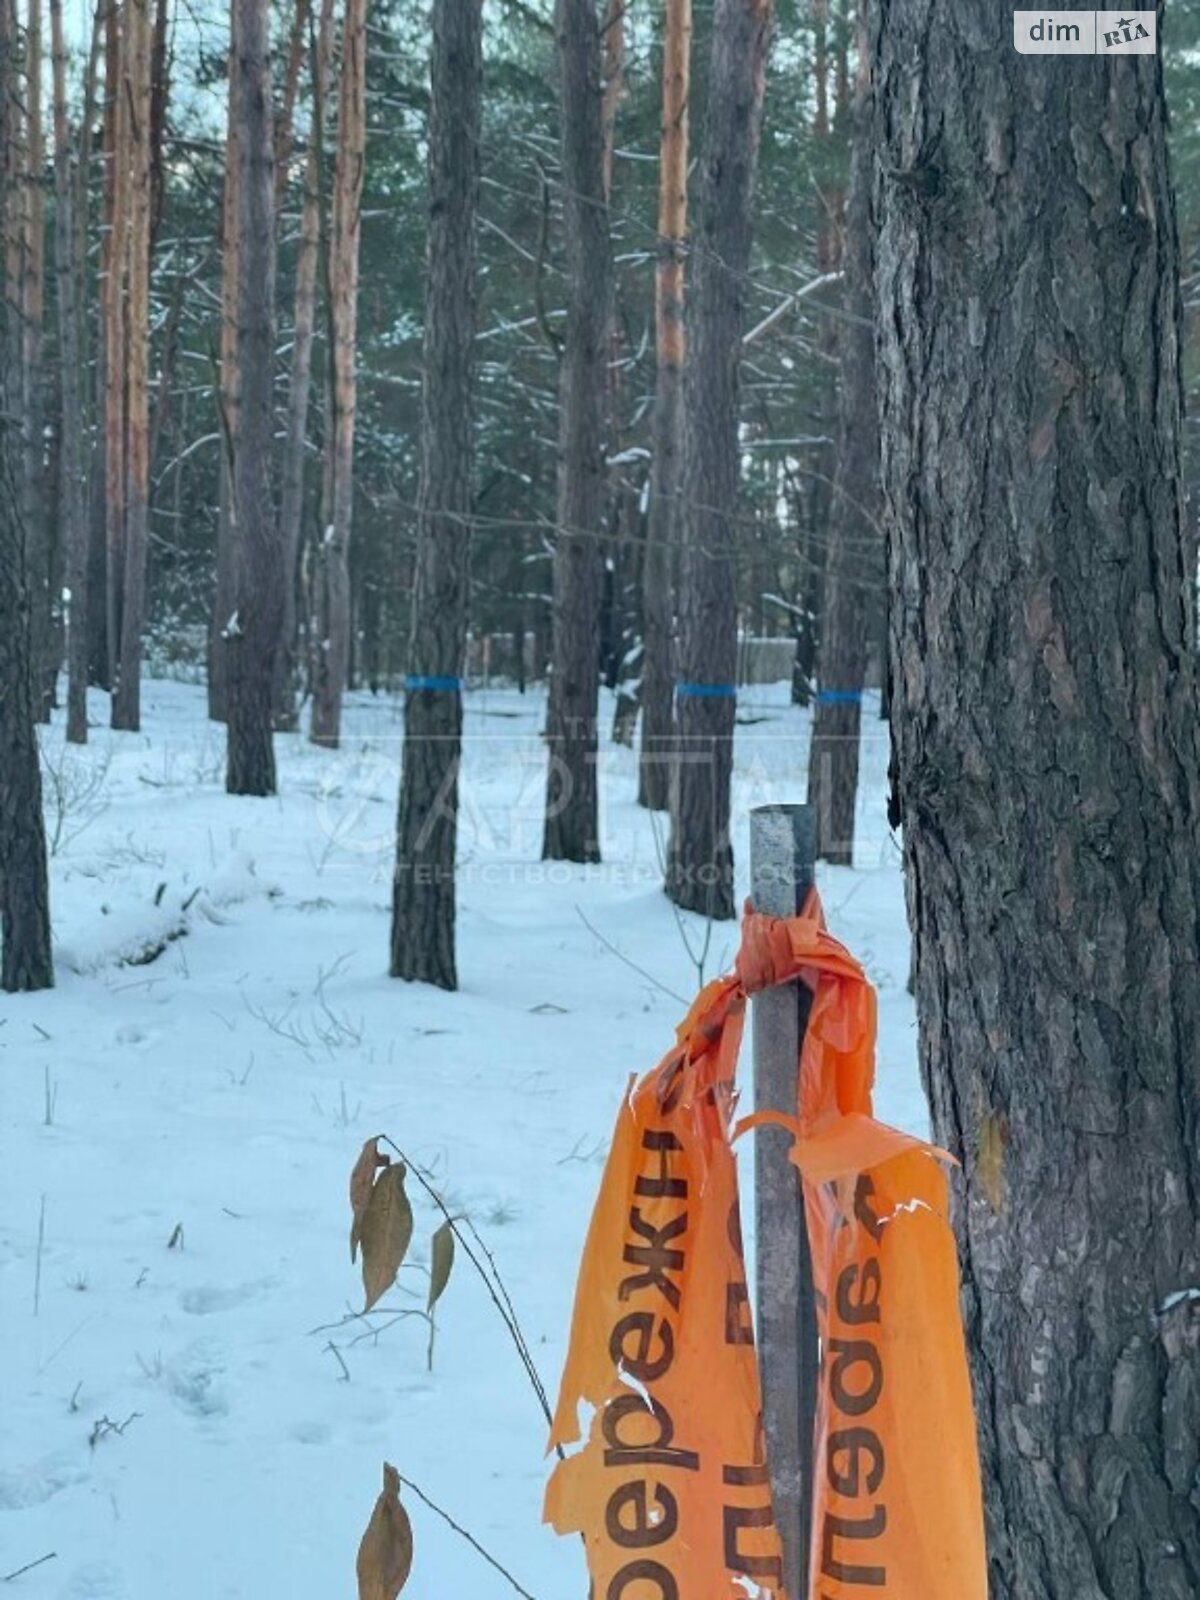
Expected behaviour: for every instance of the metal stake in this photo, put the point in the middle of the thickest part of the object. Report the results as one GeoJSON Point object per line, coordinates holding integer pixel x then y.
{"type": "Point", "coordinates": [782, 847]}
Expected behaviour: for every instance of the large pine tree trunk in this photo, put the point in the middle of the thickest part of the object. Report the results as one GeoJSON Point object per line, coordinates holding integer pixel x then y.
{"type": "Point", "coordinates": [251, 638]}
{"type": "Point", "coordinates": [423, 903]}
{"type": "Point", "coordinates": [25, 961]}
{"type": "Point", "coordinates": [572, 825]}
{"type": "Point", "coordinates": [74, 531]}
{"type": "Point", "coordinates": [855, 541]}
{"type": "Point", "coordinates": [700, 858]}
{"type": "Point", "coordinates": [332, 653]}
{"type": "Point", "coordinates": [1044, 718]}
{"type": "Point", "coordinates": [126, 703]}
{"type": "Point", "coordinates": [291, 496]}
{"type": "Point", "coordinates": [658, 573]}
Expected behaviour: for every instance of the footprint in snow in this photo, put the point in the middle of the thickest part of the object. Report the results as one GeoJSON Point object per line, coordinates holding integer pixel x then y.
{"type": "Point", "coordinates": [98, 1580]}
{"type": "Point", "coordinates": [311, 1432]}
{"type": "Point", "coordinates": [193, 1380]}
{"type": "Point", "coordinates": [203, 1302]}
{"type": "Point", "coordinates": [34, 1485]}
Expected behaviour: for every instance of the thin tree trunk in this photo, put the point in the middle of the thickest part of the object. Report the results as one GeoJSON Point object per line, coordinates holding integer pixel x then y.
{"type": "Point", "coordinates": [621, 629]}
{"type": "Point", "coordinates": [126, 702]}
{"type": "Point", "coordinates": [97, 587]}
{"type": "Point", "coordinates": [1045, 728]}
{"type": "Point", "coordinates": [612, 56]}
{"type": "Point", "coordinates": [252, 636]}
{"type": "Point", "coordinates": [332, 654]}
{"type": "Point", "coordinates": [285, 122]}
{"type": "Point", "coordinates": [12, 222]}
{"type": "Point", "coordinates": [159, 70]}
{"type": "Point", "coordinates": [228, 398]}
{"type": "Point", "coordinates": [291, 503]}
{"type": "Point", "coordinates": [291, 507]}
{"type": "Point", "coordinates": [38, 530]}
{"type": "Point", "coordinates": [700, 857]}
{"type": "Point", "coordinates": [658, 573]}
{"type": "Point", "coordinates": [162, 418]}
{"type": "Point", "coordinates": [116, 333]}
{"type": "Point", "coordinates": [91, 363]}
{"type": "Point", "coordinates": [83, 173]}
{"type": "Point", "coordinates": [820, 527]}
{"type": "Point", "coordinates": [572, 830]}
{"type": "Point", "coordinates": [25, 960]}
{"type": "Point", "coordinates": [423, 901]}
{"type": "Point", "coordinates": [99, 664]}
{"type": "Point", "coordinates": [623, 649]}
{"type": "Point", "coordinates": [855, 539]}
{"type": "Point", "coordinates": [71, 501]}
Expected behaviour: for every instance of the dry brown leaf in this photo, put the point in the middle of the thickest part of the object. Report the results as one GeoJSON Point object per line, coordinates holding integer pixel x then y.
{"type": "Point", "coordinates": [386, 1553]}
{"type": "Point", "coordinates": [385, 1232]}
{"type": "Point", "coordinates": [361, 1180]}
{"type": "Point", "coordinates": [441, 1261]}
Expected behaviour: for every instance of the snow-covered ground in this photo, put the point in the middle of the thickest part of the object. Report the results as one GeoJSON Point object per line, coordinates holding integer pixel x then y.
{"type": "Point", "coordinates": [186, 1406]}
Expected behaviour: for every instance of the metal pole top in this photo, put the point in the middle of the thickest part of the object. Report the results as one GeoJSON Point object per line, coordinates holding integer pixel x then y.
{"type": "Point", "coordinates": [783, 841]}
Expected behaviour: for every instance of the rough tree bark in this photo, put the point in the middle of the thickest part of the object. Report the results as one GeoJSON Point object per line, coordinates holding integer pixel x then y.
{"type": "Point", "coordinates": [332, 653]}
{"type": "Point", "coordinates": [423, 903]}
{"type": "Point", "coordinates": [252, 635]}
{"type": "Point", "coordinates": [291, 498]}
{"type": "Point", "coordinates": [25, 960]}
{"type": "Point", "coordinates": [131, 577]}
{"type": "Point", "coordinates": [855, 540]}
{"type": "Point", "coordinates": [658, 573]}
{"type": "Point", "coordinates": [700, 857]}
{"type": "Point", "coordinates": [1045, 729]}
{"type": "Point", "coordinates": [72, 512]}
{"type": "Point", "coordinates": [572, 824]}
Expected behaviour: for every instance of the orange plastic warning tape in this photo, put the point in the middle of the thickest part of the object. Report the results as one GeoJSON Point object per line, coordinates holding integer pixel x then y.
{"type": "Point", "coordinates": [671, 1490]}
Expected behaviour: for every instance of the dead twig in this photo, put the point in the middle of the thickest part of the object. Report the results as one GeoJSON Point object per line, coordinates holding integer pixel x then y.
{"type": "Point", "coordinates": [470, 1538]}
{"type": "Point", "coordinates": [468, 1239]}
{"type": "Point", "coordinates": [337, 1354]}
{"type": "Point", "coordinates": [104, 1426]}
{"type": "Point", "coordinates": [621, 956]}
{"type": "Point", "coordinates": [40, 1562]}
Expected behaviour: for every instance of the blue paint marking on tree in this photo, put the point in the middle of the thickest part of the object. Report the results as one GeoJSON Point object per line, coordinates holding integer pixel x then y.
{"type": "Point", "coordinates": [443, 685]}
